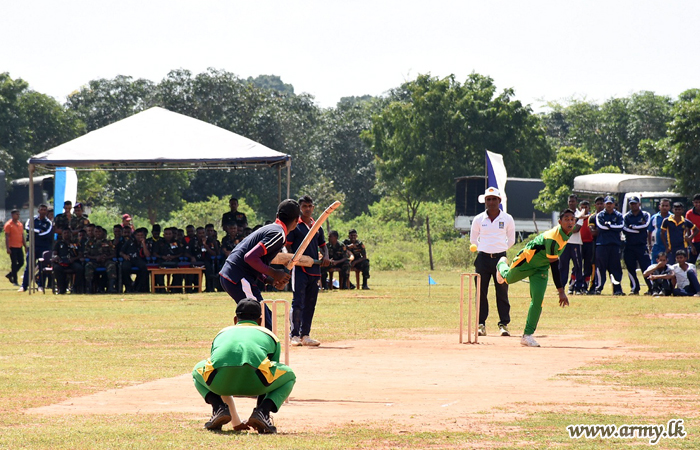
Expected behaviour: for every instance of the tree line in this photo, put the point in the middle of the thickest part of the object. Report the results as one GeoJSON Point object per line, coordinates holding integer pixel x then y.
{"type": "Point", "coordinates": [408, 144]}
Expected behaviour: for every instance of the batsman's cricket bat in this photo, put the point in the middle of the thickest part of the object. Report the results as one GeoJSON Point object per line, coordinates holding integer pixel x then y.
{"type": "Point", "coordinates": [312, 232]}
{"type": "Point", "coordinates": [304, 261]}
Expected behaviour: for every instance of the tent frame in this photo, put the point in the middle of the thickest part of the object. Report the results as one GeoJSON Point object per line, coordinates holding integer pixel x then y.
{"type": "Point", "coordinates": [147, 166]}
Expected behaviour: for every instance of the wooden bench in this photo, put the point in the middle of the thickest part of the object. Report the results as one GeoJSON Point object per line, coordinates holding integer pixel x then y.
{"type": "Point", "coordinates": [175, 271]}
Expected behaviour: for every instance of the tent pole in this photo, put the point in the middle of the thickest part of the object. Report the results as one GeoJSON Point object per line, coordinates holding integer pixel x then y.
{"type": "Point", "coordinates": [289, 174]}
{"type": "Point", "coordinates": [30, 257]}
{"type": "Point", "coordinates": [279, 184]}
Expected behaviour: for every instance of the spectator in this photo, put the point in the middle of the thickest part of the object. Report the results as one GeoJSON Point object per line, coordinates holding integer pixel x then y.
{"type": "Point", "coordinates": [118, 231]}
{"type": "Point", "coordinates": [127, 222]}
{"type": "Point", "coordinates": [135, 253]}
{"type": "Point", "coordinates": [229, 242]}
{"type": "Point", "coordinates": [359, 253]}
{"type": "Point", "coordinates": [99, 252]}
{"type": "Point", "coordinates": [677, 232]}
{"type": "Point", "coordinates": [79, 220]}
{"type": "Point", "coordinates": [234, 215]}
{"type": "Point", "coordinates": [654, 239]}
{"type": "Point", "coordinates": [15, 245]}
{"type": "Point", "coordinates": [339, 259]}
{"type": "Point", "coordinates": [572, 251]}
{"type": "Point", "coordinates": [168, 251]}
{"type": "Point", "coordinates": [62, 221]}
{"type": "Point", "coordinates": [636, 253]}
{"type": "Point", "coordinates": [190, 234]}
{"type": "Point", "coordinates": [693, 215]}
{"type": "Point", "coordinates": [659, 286]}
{"type": "Point", "coordinates": [609, 223]}
{"type": "Point", "coordinates": [305, 279]}
{"type": "Point", "coordinates": [493, 232]}
{"type": "Point", "coordinates": [179, 234]}
{"type": "Point", "coordinates": [684, 275]}
{"type": "Point", "coordinates": [201, 252]}
{"type": "Point", "coordinates": [155, 236]}
{"type": "Point", "coordinates": [599, 204]}
{"type": "Point", "coordinates": [43, 241]}
{"type": "Point", "coordinates": [89, 231]}
{"type": "Point", "coordinates": [587, 249]}
{"type": "Point", "coordinates": [66, 256]}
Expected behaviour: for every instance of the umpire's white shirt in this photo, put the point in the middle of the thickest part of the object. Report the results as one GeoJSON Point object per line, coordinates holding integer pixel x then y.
{"type": "Point", "coordinates": [493, 236]}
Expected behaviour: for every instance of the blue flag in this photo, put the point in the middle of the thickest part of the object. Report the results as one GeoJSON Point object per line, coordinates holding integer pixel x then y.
{"type": "Point", "coordinates": [430, 280]}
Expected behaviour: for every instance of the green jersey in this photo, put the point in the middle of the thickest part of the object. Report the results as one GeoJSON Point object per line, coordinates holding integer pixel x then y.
{"type": "Point", "coordinates": [544, 249]}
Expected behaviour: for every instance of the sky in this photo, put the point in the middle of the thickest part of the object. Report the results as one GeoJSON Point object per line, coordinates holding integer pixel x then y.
{"type": "Point", "coordinates": [544, 50]}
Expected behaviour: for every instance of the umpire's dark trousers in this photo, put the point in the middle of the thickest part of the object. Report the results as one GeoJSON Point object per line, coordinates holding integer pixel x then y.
{"type": "Point", "coordinates": [485, 265]}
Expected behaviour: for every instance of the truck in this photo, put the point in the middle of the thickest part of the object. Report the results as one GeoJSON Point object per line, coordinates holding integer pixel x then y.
{"type": "Point", "coordinates": [623, 186]}
{"type": "Point", "coordinates": [520, 193]}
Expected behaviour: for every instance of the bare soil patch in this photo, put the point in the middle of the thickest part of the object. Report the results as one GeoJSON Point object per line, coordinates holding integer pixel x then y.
{"type": "Point", "coordinates": [418, 383]}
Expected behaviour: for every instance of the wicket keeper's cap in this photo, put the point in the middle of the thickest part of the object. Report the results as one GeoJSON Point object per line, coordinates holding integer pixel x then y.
{"type": "Point", "coordinates": [609, 199]}
{"type": "Point", "coordinates": [490, 192]}
{"type": "Point", "coordinates": [634, 199]}
{"type": "Point", "coordinates": [248, 309]}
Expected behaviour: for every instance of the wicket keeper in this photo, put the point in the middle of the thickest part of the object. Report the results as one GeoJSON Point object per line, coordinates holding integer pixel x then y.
{"type": "Point", "coordinates": [244, 361]}
{"type": "Point", "coordinates": [533, 262]}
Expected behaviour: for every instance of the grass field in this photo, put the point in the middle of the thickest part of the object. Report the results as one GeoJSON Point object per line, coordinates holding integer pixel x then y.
{"type": "Point", "coordinates": [56, 347]}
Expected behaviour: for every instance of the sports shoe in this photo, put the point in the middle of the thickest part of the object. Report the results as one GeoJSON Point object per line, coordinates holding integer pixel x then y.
{"type": "Point", "coordinates": [261, 422]}
{"type": "Point", "coordinates": [619, 293]}
{"type": "Point", "coordinates": [528, 341]}
{"type": "Point", "coordinates": [306, 341]}
{"type": "Point", "coordinates": [365, 287]}
{"type": "Point", "coordinates": [296, 341]}
{"type": "Point", "coordinates": [504, 330]}
{"type": "Point", "coordinates": [21, 289]}
{"type": "Point", "coordinates": [482, 329]}
{"type": "Point", "coordinates": [220, 418]}
{"type": "Point", "coordinates": [499, 277]}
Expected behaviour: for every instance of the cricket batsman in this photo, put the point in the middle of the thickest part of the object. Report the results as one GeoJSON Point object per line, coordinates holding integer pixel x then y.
{"type": "Point", "coordinates": [244, 361]}
{"type": "Point", "coordinates": [533, 262]}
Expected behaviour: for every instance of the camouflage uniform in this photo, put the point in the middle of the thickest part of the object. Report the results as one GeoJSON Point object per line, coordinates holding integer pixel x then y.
{"type": "Point", "coordinates": [67, 257]}
{"type": "Point", "coordinates": [358, 251]}
{"type": "Point", "coordinates": [61, 222]}
{"type": "Point", "coordinates": [336, 253]}
{"type": "Point", "coordinates": [100, 253]}
{"type": "Point", "coordinates": [78, 223]}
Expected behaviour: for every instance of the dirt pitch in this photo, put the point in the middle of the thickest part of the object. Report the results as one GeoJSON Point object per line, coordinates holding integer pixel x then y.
{"type": "Point", "coordinates": [421, 383]}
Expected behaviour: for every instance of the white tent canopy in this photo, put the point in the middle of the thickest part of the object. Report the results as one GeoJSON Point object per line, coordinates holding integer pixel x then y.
{"type": "Point", "coordinates": [157, 139]}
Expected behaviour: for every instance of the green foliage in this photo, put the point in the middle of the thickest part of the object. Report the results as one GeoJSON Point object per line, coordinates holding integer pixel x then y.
{"type": "Point", "coordinates": [108, 216]}
{"type": "Point", "coordinates": [209, 211]}
{"type": "Point", "coordinates": [153, 194]}
{"type": "Point", "coordinates": [434, 130]}
{"type": "Point", "coordinates": [324, 193]}
{"type": "Point", "coordinates": [559, 178]}
{"type": "Point", "coordinates": [684, 139]}
{"type": "Point", "coordinates": [272, 82]}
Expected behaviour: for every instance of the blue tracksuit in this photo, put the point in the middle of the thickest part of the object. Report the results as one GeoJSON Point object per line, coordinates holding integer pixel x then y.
{"type": "Point", "coordinates": [607, 251]}
{"type": "Point", "coordinates": [636, 251]}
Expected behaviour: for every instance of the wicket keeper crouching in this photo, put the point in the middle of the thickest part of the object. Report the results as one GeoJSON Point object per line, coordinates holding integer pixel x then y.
{"type": "Point", "coordinates": [244, 361]}
{"type": "Point", "coordinates": [534, 262]}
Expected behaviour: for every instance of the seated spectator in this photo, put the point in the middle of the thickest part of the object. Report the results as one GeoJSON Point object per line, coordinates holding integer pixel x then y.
{"type": "Point", "coordinates": [99, 252]}
{"type": "Point", "coordinates": [212, 236]}
{"type": "Point", "coordinates": [168, 251]}
{"type": "Point", "coordinates": [357, 248]}
{"type": "Point", "coordinates": [659, 286]}
{"type": "Point", "coordinates": [82, 238]}
{"type": "Point", "coordinates": [190, 234]}
{"type": "Point", "coordinates": [229, 242]}
{"type": "Point", "coordinates": [180, 235]}
{"type": "Point", "coordinates": [202, 252]}
{"type": "Point", "coordinates": [134, 253]}
{"type": "Point", "coordinates": [66, 256]}
{"type": "Point", "coordinates": [339, 256]}
{"type": "Point", "coordinates": [127, 222]}
{"type": "Point", "coordinates": [677, 233]}
{"type": "Point", "coordinates": [683, 276]}
{"type": "Point", "coordinates": [117, 242]}
{"type": "Point", "coordinates": [155, 236]}
{"type": "Point", "coordinates": [89, 230]}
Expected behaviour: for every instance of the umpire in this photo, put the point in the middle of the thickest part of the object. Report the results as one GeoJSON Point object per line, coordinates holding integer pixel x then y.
{"type": "Point", "coordinates": [493, 232]}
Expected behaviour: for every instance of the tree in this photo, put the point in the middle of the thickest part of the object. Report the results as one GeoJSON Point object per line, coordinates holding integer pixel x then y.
{"type": "Point", "coordinates": [272, 82]}
{"type": "Point", "coordinates": [684, 140]}
{"type": "Point", "coordinates": [434, 130]}
{"type": "Point", "coordinates": [559, 177]}
{"type": "Point", "coordinates": [150, 194]}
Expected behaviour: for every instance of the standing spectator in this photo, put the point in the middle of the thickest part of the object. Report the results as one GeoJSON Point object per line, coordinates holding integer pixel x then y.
{"type": "Point", "coordinates": [234, 216]}
{"type": "Point", "coordinates": [359, 253]}
{"type": "Point", "coordinates": [305, 279]}
{"type": "Point", "coordinates": [43, 240]}
{"type": "Point", "coordinates": [636, 254]}
{"type": "Point", "coordinates": [677, 233]}
{"type": "Point", "coordinates": [654, 239]}
{"type": "Point", "coordinates": [79, 220]}
{"type": "Point", "coordinates": [587, 248]}
{"type": "Point", "coordinates": [62, 221]}
{"type": "Point", "coordinates": [599, 207]}
{"type": "Point", "coordinates": [127, 222]}
{"type": "Point", "coordinates": [693, 215]}
{"type": "Point", "coordinates": [14, 243]}
{"type": "Point", "coordinates": [609, 223]}
{"type": "Point", "coordinates": [572, 251]}
{"type": "Point", "coordinates": [493, 232]}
